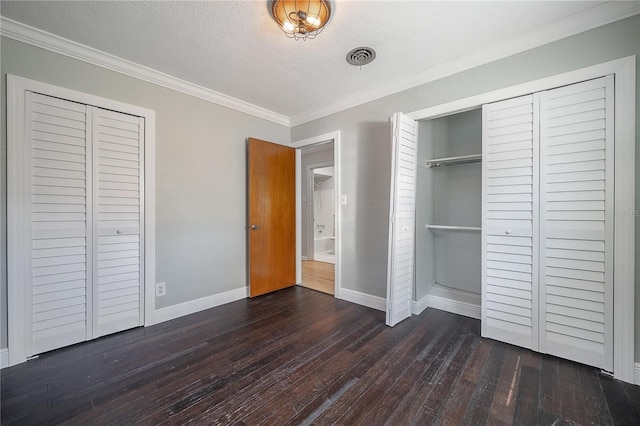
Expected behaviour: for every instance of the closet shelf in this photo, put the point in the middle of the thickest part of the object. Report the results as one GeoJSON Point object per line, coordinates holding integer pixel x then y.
{"type": "Point", "coordinates": [454, 228]}
{"type": "Point", "coordinates": [452, 161]}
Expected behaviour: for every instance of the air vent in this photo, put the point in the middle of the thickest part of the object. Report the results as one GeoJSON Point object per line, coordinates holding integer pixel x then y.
{"type": "Point", "coordinates": [361, 56]}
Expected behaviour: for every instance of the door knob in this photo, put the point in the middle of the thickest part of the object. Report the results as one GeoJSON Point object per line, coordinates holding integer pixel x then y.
{"type": "Point", "coordinates": [118, 231]}
{"type": "Point", "coordinates": [255, 227]}
{"type": "Point", "coordinates": [508, 231]}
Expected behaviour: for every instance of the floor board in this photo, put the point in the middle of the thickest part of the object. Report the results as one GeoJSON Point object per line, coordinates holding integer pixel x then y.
{"type": "Point", "coordinates": [318, 276]}
{"type": "Point", "coordinates": [299, 357]}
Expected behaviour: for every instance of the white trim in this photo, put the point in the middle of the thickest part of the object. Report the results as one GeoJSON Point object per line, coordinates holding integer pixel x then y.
{"type": "Point", "coordinates": [473, 102]}
{"type": "Point", "coordinates": [193, 306]}
{"type": "Point", "coordinates": [637, 369]}
{"type": "Point", "coordinates": [326, 137]}
{"type": "Point", "coordinates": [418, 306]}
{"type": "Point", "coordinates": [624, 223]}
{"type": "Point", "coordinates": [26, 34]}
{"type": "Point", "coordinates": [461, 308]}
{"type": "Point", "coordinates": [16, 119]}
{"type": "Point", "coordinates": [373, 302]}
{"type": "Point", "coordinates": [4, 358]}
{"type": "Point", "coordinates": [624, 70]}
{"type": "Point", "coordinates": [589, 19]}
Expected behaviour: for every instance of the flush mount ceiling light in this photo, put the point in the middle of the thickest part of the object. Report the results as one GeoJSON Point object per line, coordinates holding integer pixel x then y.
{"type": "Point", "coordinates": [301, 19]}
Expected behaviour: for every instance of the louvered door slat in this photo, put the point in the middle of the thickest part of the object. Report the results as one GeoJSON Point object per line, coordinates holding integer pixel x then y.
{"type": "Point", "coordinates": [576, 230]}
{"type": "Point", "coordinates": [509, 290]}
{"type": "Point", "coordinates": [118, 148]}
{"type": "Point", "coordinates": [59, 212]}
{"type": "Point", "coordinates": [402, 214]}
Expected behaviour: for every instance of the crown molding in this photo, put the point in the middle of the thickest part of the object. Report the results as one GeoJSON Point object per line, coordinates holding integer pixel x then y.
{"type": "Point", "coordinates": [26, 34]}
{"type": "Point", "coordinates": [589, 19]}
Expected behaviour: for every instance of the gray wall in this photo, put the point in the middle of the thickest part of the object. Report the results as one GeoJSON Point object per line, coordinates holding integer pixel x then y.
{"type": "Point", "coordinates": [365, 149]}
{"type": "Point", "coordinates": [200, 173]}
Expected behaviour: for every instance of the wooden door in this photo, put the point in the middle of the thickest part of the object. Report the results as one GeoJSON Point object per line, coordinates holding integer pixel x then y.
{"type": "Point", "coordinates": [401, 255]}
{"type": "Point", "coordinates": [509, 221]}
{"type": "Point", "coordinates": [272, 217]}
{"type": "Point", "coordinates": [576, 238]}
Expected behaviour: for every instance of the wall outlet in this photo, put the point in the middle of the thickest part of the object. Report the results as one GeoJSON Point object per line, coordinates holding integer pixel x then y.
{"type": "Point", "coordinates": [161, 289]}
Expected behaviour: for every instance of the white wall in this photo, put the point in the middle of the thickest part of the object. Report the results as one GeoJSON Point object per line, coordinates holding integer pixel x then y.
{"type": "Point", "coordinates": [200, 173]}
{"type": "Point", "coordinates": [366, 148]}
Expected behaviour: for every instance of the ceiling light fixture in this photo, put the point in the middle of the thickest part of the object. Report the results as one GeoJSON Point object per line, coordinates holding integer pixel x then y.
{"type": "Point", "coordinates": [301, 19]}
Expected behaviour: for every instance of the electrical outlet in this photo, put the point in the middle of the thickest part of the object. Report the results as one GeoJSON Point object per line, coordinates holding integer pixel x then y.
{"type": "Point", "coordinates": [161, 289]}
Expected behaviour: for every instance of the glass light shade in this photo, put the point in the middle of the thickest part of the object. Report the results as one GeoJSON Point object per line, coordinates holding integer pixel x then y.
{"type": "Point", "coordinates": [301, 19]}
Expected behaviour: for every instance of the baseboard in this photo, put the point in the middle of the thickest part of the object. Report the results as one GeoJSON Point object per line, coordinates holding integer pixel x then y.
{"type": "Point", "coordinates": [193, 306]}
{"type": "Point", "coordinates": [420, 305]}
{"type": "Point", "coordinates": [363, 299]}
{"type": "Point", "coordinates": [637, 370]}
{"type": "Point", "coordinates": [455, 307]}
{"type": "Point", "coordinates": [4, 358]}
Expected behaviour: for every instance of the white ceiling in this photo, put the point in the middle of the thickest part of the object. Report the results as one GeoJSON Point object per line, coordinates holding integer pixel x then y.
{"type": "Point", "coordinates": [235, 47]}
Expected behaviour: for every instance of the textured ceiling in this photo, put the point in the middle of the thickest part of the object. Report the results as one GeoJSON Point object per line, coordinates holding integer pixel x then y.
{"type": "Point", "coordinates": [235, 48]}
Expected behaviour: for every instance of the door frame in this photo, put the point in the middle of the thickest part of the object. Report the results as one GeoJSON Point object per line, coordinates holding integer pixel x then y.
{"type": "Point", "coordinates": [311, 206]}
{"type": "Point", "coordinates": [625, 211]}
{"type": "Point", "coordinates": [16, 132]}
{"type": "Point", "coordinates": [324, 138]}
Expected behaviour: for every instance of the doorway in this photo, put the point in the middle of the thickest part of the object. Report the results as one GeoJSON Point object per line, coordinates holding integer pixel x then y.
{"type": "Point", "coordinates": [318, 213]}
{"type": "Point", "coordinates": [318, 205]}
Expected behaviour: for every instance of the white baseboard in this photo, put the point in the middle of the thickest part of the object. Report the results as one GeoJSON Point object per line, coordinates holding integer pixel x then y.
{"type": "Point", "coordinates": [4, 358]}
{"type": "Point", "coordinates": [455, 307]}
{"type": "Point", "coordinates": [363, 299]}
{"type": "Point", "coordinates": [420, 305]}
{"type": "Point", "coordinates": [193, 306]}
{"type": "Point", "coordinates": [637, 369]}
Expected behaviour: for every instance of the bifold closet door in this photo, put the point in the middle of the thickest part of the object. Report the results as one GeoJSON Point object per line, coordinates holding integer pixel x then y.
{"type": "Point", "coordinates": [118, 188]}
{"type": "Point", "coordinates": [404, 166]}
{"type": "Point", "coordinates": [57, 188]}
{"type": "Point", "coordinates": [509, 221]}
{"type": "Point", "coordinates": [81, 186]}
{"type": "Point", "coordinates": [576, 233]}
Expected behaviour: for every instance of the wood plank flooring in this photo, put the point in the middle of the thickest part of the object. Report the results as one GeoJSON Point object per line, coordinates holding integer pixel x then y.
{"type": "Point", "coordinates": [319, 276]}
{"type": "Point", "coordinates": [301, 357]}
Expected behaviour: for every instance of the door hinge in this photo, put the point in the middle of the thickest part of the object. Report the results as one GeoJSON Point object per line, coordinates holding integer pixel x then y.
{"type": "Point", "coordinates": [389, 305]}
{"type": "Point", "coordinates": [393, 218]}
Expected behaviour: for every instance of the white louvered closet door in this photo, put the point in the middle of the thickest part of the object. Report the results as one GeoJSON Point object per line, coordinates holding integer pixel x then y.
{"type": "Point", "coordinates": [400, 274]}
{"type": "Point", "coordinates": [82, 185]}
{"type": "Point", "coordinates": [576, 278]}
{"type": "Point", "coordinates": [118, 187]}
{"type": "Point", "coordinates": [509, 222]}
{"type": "Point", "coordinates": [58, 186]}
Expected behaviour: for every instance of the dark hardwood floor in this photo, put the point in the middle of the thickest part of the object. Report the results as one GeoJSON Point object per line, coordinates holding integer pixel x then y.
{"type": "Point", "coordinates": [301, 357]}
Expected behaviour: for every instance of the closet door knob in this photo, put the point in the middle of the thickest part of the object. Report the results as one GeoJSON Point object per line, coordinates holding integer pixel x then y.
{"type": "Point", "coordinates": [118, 231]}
{"type": "Point", "coordinates": [508, 231]}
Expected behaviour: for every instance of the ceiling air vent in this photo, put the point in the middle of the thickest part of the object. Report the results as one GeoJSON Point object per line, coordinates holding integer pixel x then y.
{"type": "Point", "coordinates": [361, 56]}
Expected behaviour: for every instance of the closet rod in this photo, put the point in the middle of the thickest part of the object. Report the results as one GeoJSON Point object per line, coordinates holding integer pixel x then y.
{"type": "Point", "coordinates": [454, 228]}
{"type": "Point", "coordinates": [452, 161]}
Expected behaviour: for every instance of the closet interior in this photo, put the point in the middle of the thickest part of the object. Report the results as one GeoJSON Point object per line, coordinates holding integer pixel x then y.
{"type": "Point", "coordinates": [448, 208]}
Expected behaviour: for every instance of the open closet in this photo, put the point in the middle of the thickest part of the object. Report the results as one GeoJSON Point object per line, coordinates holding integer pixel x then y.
{"type": "Point", "coordinates": [516, 205]}
{"type": "Point", "coordinates": [448, 207]}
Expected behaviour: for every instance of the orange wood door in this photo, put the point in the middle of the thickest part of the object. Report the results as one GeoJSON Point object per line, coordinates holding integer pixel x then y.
{"type": "Point", "coordinates": [272, 217]}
